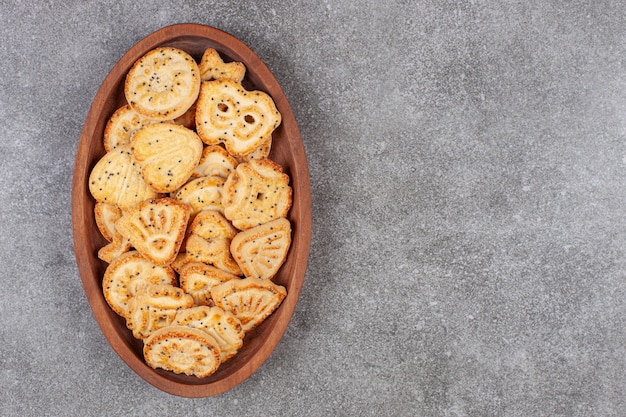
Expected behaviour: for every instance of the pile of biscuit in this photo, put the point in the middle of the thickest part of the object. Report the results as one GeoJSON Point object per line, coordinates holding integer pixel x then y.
{"type": "Point", "coordinates": [193, 209]}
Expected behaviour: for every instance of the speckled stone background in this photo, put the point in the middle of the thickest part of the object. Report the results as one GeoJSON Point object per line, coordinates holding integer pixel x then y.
{"type": "Point", "coordinates": [468, 171]}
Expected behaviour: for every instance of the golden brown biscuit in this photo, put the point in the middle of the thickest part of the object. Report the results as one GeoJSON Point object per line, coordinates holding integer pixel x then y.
{"type": "Point", "coordinates": [214, 252]}
{"type": "Point", "coordinates": [255, 193]}
{"type": "Point", "coordinates": [156, 228]}
{"type": "Point", "coordinates": [182, 350]}
{"type": "Point", "coordinates": [122, 125]}
{"type": "Point", "coordinates": [182, 260]}
{"type": "Point", "coordinates": [211, 224]}
{"type": "Point", "coordinates": [197, 279]}
{"type": "Point", "coordinates": [212, 67]}
{"type": "Point", "coordinates": [163, 84]}
{"type": "Point", "coordinates": [204, 193]}
{"type": "Point", "coordinates": [251, 299]}
{"type": "Point", "coordinates": [208, 241]}
{"type": "Point", "coordinates": [188, 119]}
{"type": "Point", "coordinates": [116, 248]}
{"type": "Point", "coordinates": [221, 325]}
{"type": "Point", "coordinates": [261, 250]}
{"type": "Point", "coordinates": [130, 274]}
{"type": "Point", "coordinates": [168, 154]}
{"type": "Point", "coordinates": [154, 307]}
{"type": "Point", "coordinates": [215, 161]}
{"type": "Point", "coordinates": [116, 179]}
{"type": "Point", "coordinates": [241, 120]}
{"type": "Point", "coordinates": [261, 152]}
{"type": "Point", "coordinates": [106, 215]}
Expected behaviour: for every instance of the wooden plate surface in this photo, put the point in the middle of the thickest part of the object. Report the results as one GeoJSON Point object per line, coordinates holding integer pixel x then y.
{"type": "Point", "coordinates": [287, 150]}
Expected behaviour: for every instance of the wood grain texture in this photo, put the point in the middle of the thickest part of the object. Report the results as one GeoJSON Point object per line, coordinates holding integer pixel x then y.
{"type": "Point", "coordinates": [287, 150]}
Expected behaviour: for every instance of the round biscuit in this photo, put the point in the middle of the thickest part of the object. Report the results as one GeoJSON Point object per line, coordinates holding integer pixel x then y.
{"type": "Point", "coordinates": [163, 84]}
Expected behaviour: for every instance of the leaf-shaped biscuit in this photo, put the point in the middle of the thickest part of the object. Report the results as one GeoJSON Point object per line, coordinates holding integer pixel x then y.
{"type": "Point", "coordinates": [168, 154]}
{"type": "Point", "coordinates": [182, 350]}
{"type": "Point", "coordinates": [156, 228]}
{"type": "Point", "coordinates": [251, 299]}
{"type": "Point", "coordinates": [261, 250]}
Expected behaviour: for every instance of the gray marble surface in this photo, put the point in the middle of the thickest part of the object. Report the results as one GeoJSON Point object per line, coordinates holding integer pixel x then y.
{"type": "Point", "coordinates": [468, 173]}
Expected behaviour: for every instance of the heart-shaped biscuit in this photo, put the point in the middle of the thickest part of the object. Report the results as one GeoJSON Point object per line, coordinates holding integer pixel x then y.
{"type": "Point", "coordinates": [168, 154]}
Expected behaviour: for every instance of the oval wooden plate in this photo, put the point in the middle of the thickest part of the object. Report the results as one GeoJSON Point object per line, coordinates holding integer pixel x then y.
{"type": "Point", "coordinates": [287, 150]}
